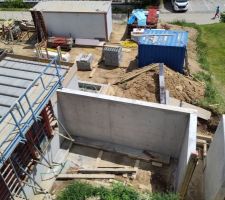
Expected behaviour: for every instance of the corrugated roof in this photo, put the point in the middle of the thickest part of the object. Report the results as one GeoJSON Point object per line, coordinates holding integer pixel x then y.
{"type": "Point", "coordinates": [16, 75]}
{"type": "Point", "coordinates": [165, 38]}
{"type": "Point", "coordinates": [73, 6]}
{"type": "Point", "coordinates": [25, 88]}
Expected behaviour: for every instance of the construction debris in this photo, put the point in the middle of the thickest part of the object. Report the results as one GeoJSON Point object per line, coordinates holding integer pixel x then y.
{"type": "Point", "coordinates": [145, 86]}
{"type": "Point", "coordinates": [88, 42]}
{"type": "Point", "coordinates": [112, 55]}
{"type": "Point", "coordinates": [65, 43]}
{"type": "Point", "coordinates": [128, 44]}
{"type": "Point", "coordinates": [132, 75]}
{"type": "Point", "coordinates": [84, 62]}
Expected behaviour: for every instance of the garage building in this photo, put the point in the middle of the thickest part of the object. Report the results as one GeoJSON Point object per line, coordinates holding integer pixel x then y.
{"type": "Point", "coordinates": [78, 19]}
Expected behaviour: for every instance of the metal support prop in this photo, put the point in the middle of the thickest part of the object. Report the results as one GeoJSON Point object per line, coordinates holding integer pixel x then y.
{"type": "Point", "coordinates": [17, 125]}
{"type": "Point", "coordinates": [34, 117]}
{"type": "Point", "coordinates": [58, 74]}
{"type": "Point", "coordinates": [42, 82]}
{"type": "Point", "coordinates": [41, 154]}
{"type": "Point", "coordinates": [18, 178]}
{"type": "Point", "coordinates": [21, 107]}
{"type": "Point", "coordinates": [35, 182]}
{"type": "Point", "coordinates": [7, 186]}
{"type": "Point", "coordinates": [17, 108]}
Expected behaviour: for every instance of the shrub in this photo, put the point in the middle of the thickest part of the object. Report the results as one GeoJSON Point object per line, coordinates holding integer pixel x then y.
{"type": "Point", "coordinates": [82, 191]}
{"type": "Point", "coordinates": [14, 4]}
{"type": "Point", "coordinates": [222, 17]}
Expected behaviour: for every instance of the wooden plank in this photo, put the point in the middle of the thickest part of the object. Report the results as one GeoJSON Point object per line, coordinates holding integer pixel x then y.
{"type": "Point", "coordinates": [202, 113]}
{"type": "Point", "coordinates": [92, 72]}
{"type": "Point", "coordinates": [94, 67]}
{"type": "Point", "coordinates": [188, 175]}
{"type": "Point", "coordinates": [132, 75]}
{"type": "Point", "coordinates": [85, 176]}
{"type": "Point", "coordinates": [207, 138]}
{"type": "Point", "coordinates": [201, 142]}
{"type": "Point", "coordinates": [107, 170]}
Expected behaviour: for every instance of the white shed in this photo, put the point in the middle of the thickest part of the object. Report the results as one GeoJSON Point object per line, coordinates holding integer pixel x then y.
{"type": "Point", "coordinates": [78, 19]}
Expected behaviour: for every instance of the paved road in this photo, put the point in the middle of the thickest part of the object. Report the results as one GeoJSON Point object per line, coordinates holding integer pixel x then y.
{"type": "Point", "coordinates": [199, 18]}
{"type": "Point", "coordinates": [197, 6]}
{"type": "Point", "coordinates": [15, 15]}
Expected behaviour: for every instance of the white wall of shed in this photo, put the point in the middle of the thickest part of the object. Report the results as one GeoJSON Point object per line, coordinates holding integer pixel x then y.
{"type": "Point", "coordinates": [76, 25]}
{"type": "Point", "coordinates": [109, 21]}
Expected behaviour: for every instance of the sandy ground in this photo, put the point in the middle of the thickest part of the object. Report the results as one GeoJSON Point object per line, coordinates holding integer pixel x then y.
{"type": "Point", "coordinates": [107, 75]}
{"type": "Point", "coordinates": [149, 178]}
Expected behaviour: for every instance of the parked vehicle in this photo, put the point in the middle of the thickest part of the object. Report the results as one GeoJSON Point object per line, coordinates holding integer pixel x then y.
{"type": "Point", "coordinates": [180, 5]}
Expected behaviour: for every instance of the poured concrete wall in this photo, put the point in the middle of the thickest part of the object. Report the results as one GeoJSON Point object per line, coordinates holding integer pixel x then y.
{"type": "Point", "coordinates": [123, 121]}
{"type": "Point", "coordinates": [214, 174]}
{"type": "Point", "coordinates": [188, 146]}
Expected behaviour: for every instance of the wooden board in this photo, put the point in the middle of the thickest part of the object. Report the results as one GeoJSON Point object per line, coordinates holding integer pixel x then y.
{"type": "Point", "coordinates": [132, 75]}
{"type": "Point", "coordinates": [188, 175]}
{"type": "Point", "coordinates": [202, 113]}
{"type": "Point", "coordinates": [85, 176]}
{"type": "Point", "coordinates": [107, 170]}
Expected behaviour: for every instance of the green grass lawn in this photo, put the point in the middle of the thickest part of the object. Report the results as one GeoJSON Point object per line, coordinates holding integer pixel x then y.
{"type": "Point", "coordinates": [14, 9]}
{"type": "Point", "coordinates": [211, 56]}
{"type": "Point", "coordinates": [213, 35]}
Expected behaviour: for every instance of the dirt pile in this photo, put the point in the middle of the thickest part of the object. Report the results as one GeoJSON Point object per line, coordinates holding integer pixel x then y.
{"type": "Point", "coordinates": [146, 87]}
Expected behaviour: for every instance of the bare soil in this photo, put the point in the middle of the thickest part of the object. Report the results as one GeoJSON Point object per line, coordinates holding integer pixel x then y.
{"type": "Point", "coordinates": [146, 87]}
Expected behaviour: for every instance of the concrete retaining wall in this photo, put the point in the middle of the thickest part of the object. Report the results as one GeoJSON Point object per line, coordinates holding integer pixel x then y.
{"type": "Point", "coordinates": [188, 147]}
{"type": "Point", "coordinates": [137, 124]}
{"type": "Point", "coordinates": [123, 121]}
{"type": "Point", "coordinates": [214, 174]}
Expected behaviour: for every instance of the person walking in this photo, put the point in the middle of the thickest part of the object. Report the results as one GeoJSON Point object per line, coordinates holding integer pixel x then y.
{"type": "Point", "coordinates": [217, 12]}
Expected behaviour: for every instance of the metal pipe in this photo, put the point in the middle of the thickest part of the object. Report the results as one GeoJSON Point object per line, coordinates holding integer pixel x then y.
{"type": "Point", "coordinates": [35, 182]}
{"type": "Point", "coordinates": [18, 178]}
{"type": "Point", "coordinates": [34, 117]}
{"type": "Point", "coordinates": [7, 186]}
{"type": "Point", "coordinates": [14, 118]}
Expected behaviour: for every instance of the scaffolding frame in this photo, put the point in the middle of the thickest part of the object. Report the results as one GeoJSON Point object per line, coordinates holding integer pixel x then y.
{"type": "Point", "coordinates": [19, 110]}
{"type": "Point", "coordinates": [24, 113]}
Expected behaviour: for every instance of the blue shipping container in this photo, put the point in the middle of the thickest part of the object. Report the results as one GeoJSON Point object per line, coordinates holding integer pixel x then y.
{"type": "Point", "coordinates": [163, 46]}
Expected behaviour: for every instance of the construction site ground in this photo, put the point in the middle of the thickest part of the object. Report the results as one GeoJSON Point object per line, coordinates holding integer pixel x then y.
{"type": "Point", "coordinates": [142, 87]}
{"type": "Point", "coordinates": [148, 177]}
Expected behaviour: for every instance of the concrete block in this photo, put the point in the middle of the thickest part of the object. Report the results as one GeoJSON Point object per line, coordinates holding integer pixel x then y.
{"type": "Point", "coordinates": [84, 62]}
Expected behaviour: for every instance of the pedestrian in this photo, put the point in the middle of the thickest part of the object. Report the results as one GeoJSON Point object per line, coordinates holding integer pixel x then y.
{"type": "Point", "coordinates": [217, 12]}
